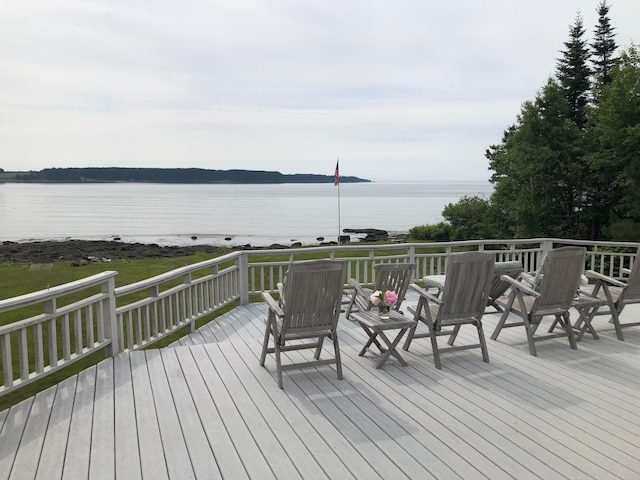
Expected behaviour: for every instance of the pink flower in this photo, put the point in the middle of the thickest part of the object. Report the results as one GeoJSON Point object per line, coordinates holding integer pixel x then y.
{"type": "Point", "coordinates": [390, 298]}
{"type": "Point", "coordinates": [375, 297]}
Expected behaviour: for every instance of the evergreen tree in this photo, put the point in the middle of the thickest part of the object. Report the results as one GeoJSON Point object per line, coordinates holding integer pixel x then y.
{"type": "Point", "coordinates": [614, 128]}
{"type": "Point", "coordinates": [539, 170]}
{"type": "Point", "coordinates": [573, 72]}
{"type": "Point", "coordinates": [603, 49]}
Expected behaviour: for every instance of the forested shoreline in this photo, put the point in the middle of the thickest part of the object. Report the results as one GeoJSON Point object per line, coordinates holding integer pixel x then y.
{"type": "Point", "coordinates": [569, 167]}
{"type": "Point", "coordinates": [165, 175]}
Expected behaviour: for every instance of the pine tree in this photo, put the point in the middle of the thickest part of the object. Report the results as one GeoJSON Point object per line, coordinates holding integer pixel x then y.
{"type": "Point", "coordinates": [573, 72]}
{"type": "Point", "coordinates": [603, 48]}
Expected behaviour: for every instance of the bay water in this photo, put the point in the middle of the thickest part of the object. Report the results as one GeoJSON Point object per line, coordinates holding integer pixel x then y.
{"type": "Point", "coordinates": [221, 214]}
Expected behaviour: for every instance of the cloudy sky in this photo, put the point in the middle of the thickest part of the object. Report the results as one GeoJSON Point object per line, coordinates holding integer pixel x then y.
{"type": "Point", "coordinates": [397, 89]}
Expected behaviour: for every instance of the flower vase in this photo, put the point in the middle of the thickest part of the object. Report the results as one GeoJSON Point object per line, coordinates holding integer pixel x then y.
{"type": "Point", "coordinates": [383, 312]}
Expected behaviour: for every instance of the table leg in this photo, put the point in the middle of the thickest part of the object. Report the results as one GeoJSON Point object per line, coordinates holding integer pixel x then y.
{"type": "Point", "coordinates": [586, 315]}
{"type": "Point", "coordinates": [372, 339]}
{"type": "Point", "coordinates": [392, 348]}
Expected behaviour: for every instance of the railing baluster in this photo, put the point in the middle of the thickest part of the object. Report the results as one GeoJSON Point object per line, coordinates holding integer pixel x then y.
{"type": "Point", "coordinates": [7, 365]}
{"type": "Point", "coordinates": [77, 321]}
{"type": "Point", "coordinates": [39, 347]}
{"type": "Point", "coordinates": [53, 343]}
{"type": "Point", "coordinates": [130, 328]}
{"type": "Point", "coordinates": [147, 324]}
{"type": "Point", "coordinates": [101, 315]}
{"type": "Point", "coordinates": [23, 353]}
{"type": "Point", "coordinates": [89, 326]}
{"type": "Point", "coordinates": [66, 338]}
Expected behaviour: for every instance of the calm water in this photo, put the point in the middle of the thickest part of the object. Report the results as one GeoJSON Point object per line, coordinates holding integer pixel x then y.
{"type": "Point", "coordinates": [255, 214]}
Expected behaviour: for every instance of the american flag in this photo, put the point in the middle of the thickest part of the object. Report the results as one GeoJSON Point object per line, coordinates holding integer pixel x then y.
{"type": "Point", "coordinates": [336, 179]}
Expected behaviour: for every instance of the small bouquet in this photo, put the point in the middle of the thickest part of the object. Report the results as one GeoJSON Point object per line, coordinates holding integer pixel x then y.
{"type": "Point", "coordinates": [384, 301]}
{"type": "Point", "coordinates": [389, 298]}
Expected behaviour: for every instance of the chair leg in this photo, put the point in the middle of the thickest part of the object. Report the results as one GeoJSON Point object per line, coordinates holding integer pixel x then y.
{"type": "Point", "coordinates": [265, 343]}
{"type": "Point", "coordinates": [351, 302]}
{"type": "Point", "coordinates": [572, 338]}
{"type": "Point", "coordinates": [278, 363]}
{"type": "Point", "coordinates": [336, 349]}
{"type": "Point", "coordinates": [319, 348]}
{"type": "Point", "coordinates": [503, 317]}
{"type": "Point", "coordinates": [454, 335]}
{"type": "Point", "coordinates": [530, 330]}
{"type": "Point", "coordinates": [434, 347]}
{"type": "Point", "coordinates": [483, 343]}
{"type": "Point", "coordinates": [409, 338]}
{"type": "Point", "coordinates": [615, 317]}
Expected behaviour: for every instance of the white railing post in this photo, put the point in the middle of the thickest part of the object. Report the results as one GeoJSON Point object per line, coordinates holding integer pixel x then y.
{"type": "Point", "coordinates": [243, 278]}
{"type": "Point", "coordinates": [110, 319]}
{"type": "Point", "coordinates": [547, 246]}
{"type": "Point", "coordinates": [412, 259]}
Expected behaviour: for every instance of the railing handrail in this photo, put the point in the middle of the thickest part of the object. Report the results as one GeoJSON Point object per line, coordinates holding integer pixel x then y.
{"type": "Point", "coordinates": [53, 292]}
{"type": "Point", "coordinates": [168, 276]}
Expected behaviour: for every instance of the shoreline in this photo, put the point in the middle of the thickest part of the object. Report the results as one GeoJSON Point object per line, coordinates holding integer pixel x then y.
{"type": "Point", "coordinates": [100, 250]}
{"type": "Point", "coordinates": [88, 251]}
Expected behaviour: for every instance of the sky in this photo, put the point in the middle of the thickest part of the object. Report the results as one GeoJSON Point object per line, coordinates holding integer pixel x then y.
{"type": "Point", "coordinates": [397, 90]}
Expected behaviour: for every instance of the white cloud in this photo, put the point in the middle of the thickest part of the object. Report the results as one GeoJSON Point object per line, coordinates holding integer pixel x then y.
{"type": "Point", "coordinates": [397, 89]}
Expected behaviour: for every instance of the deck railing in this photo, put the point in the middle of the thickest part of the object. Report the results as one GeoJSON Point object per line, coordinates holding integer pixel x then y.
{"type": "Point", "coordinates": [77, 319]}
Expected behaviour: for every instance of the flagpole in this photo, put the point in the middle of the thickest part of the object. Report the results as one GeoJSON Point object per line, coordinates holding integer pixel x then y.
{"type": "Point", "coordinates": [337, 183]}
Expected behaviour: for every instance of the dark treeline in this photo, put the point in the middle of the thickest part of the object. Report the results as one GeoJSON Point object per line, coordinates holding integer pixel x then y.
{"type": "Point", "coordinates": [172, 175]}
{"type": "Point", "coordinates": [570, 164]}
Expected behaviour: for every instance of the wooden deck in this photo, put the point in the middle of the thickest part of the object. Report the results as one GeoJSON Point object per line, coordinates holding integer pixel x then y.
{"type": "Point", "coordinates": [206, 409]}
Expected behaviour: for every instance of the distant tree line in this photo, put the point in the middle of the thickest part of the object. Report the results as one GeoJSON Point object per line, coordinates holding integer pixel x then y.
{"type": "Point", "coordinates": [570, 165]}
{"type": "Point", "coordinates": [172, 175]}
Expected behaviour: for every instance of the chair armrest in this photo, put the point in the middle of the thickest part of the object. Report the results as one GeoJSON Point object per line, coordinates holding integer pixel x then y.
{"type": "Point", "coordinates": [604, 278]}
{"type": "Point", "coordinates": [626, 271]}
{"type": "Point", "coordinates": [358, 288]}
{"type": "Point", "coordinates": [273, 305]}
{"type": "Point", "coordinates": [527, 277]}
{"type": "Point", "coordinates": [423, 293]}
{"type": "Point", "coordinates": [513, 283]}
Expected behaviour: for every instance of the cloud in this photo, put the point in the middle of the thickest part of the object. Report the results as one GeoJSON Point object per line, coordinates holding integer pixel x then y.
{"type": "Point", "coordinates": [400, 90]}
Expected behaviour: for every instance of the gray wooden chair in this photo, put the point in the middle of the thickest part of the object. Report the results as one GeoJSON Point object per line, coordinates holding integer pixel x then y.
{"type": "Point", "coordinates": [310, 310]}
{"type": "Point", "coordinates": [463, 301]}
{"type": "Point", "coordinates": [498, 286]}
{"type": "Point", "coordinates": [552, 293]}
{"type": "Point", "coordinates": [616, 298]}
{"type": "Point", "coordinates": [388, 276]}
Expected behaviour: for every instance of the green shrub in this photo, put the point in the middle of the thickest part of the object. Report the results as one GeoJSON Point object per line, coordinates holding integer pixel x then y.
{"type": "Point", "coordinates": [439, 232]}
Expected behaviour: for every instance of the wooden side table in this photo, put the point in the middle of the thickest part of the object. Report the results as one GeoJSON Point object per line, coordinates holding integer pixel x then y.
{"type": "Point", "coordinates": [587, 307]}
{"type": "Point", "coordinates": [375, 328]}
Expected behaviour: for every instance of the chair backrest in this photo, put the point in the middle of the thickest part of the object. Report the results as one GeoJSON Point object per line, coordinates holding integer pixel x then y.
{"type": "Point", "coordinates": [394, 276]}
{"type": "Point", "coordinates": [631, 293]}
{"type": "Point", "coordinates": [313, 296]}
{"type": "Point", "coordinates": [466, 286]}
{"type": "Point", "coordinates": [561, 279]}
{"type": "Point", "coordinates": [498, 286]}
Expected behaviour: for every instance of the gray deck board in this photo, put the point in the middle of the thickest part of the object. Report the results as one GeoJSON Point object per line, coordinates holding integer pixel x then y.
{"type": "Point", "coordinates": [173, 442]}
{"type": "Point", "coordinates": [250, 452]}
{"type": "Point", "coordinates": [26, 461]}
{"type": "Point", "coordinates": [51, 461]}
{"type": "Point", "coordinates": [78, 452]}
{"type": "Point", "coordinates": [103, 455]}
{"type": "Point", "coordinates": [152, 458]}
{"type": "Point", "coordinates": [206, 409]}
{"type": "Point", "coordinates": [126, 433]}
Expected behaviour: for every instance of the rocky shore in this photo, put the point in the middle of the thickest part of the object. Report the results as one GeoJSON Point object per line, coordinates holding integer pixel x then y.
{"type": "Point", "coordinates": [80, 251]}
{"type": "Point", "coordinates": [85, 251]}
